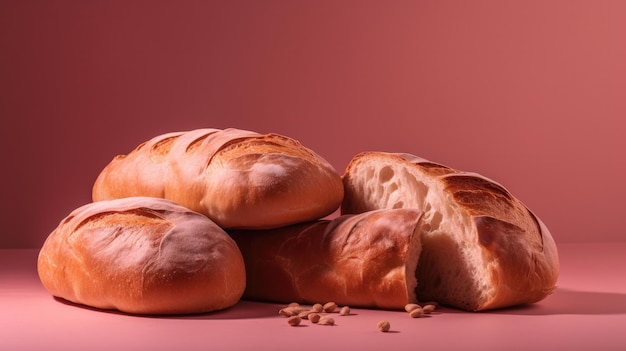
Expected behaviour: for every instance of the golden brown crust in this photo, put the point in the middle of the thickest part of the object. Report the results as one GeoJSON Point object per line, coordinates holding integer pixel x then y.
{"type": "Point", "coordinates": [364, 260]}
{"type": "Point", "coordinates": [238, 178]}
{"type": "Point", "coordinates": [143, 256]}
{"type": "Point", "coordinates": [499, 253]}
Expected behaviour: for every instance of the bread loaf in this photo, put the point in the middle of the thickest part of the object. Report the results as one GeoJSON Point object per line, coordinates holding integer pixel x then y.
{"type": "Point", "coordinates": [366, 260]}
{"type": "Point", "coordinates": [238, 178]}
{"type": "Point", "coordinates": [142, 256]}
{"type": "Point", "coordinates": [481, 247]}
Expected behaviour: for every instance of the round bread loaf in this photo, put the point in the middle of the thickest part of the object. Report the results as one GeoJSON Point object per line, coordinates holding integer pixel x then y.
{"type": "Point", "coordinates": [238, 178]}
{"type": "Point", "coordinates": [143, 256]}
{"type": "Point", "coordinates": [481, 247]}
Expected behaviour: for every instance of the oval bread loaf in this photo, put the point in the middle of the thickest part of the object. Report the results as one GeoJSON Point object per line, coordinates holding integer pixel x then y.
{"type": "Point", "coordinates": [482, 248]}
{"type": "Point", "coordinates": [142, 256]}
{"type": "Point", "coordinates": [366, 260]}
{"type": "Point", "coordinates": [238, 178]}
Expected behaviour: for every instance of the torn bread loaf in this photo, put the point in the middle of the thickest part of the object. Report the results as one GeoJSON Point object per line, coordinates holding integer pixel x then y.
{"type": "Point", "coordinates": [481, 247]}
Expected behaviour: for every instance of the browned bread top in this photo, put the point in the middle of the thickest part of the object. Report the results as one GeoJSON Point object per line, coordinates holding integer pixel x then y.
{"type": "Point", "coordinates": [238, 178]}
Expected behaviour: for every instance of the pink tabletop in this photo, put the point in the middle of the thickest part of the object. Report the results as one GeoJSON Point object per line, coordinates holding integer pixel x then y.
{"type": "Point", "coordinates": [587, 311]}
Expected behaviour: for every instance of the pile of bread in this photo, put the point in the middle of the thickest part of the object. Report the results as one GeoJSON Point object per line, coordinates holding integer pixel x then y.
{"type": "Point", "coordinates": [192, 222]}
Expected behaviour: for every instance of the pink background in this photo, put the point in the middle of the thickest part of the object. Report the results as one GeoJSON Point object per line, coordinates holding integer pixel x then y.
{"type": "Point", "coordinates": [529, 93]}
